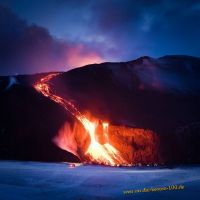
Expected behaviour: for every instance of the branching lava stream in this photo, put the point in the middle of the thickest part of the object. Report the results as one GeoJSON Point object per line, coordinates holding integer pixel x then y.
{"type": "Point", "coordinates": [96, 152]}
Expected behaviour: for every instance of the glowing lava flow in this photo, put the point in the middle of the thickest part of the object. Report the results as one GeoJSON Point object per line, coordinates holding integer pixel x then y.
{"type": "Point", "coordinates": [96, 152]}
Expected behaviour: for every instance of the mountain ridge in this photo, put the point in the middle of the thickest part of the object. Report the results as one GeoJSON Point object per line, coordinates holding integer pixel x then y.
{"type": "Point", "coordinates": [159, 95]}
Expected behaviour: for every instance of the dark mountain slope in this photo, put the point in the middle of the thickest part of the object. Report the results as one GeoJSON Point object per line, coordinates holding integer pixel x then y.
{"type": "Point", "coordinates": [161, 94]}
{"type": "Point", "coordinates": [28, 123]}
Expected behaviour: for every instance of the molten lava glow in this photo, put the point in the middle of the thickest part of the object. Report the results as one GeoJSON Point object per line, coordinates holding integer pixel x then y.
{"type": "Point", "coordinates": [96, 152]}
{"type": "Point", "coordinates": [80, 56]}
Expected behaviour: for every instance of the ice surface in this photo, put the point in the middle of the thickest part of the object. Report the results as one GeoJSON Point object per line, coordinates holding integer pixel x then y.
{"type": "Point", "coordinates": [52, 181]}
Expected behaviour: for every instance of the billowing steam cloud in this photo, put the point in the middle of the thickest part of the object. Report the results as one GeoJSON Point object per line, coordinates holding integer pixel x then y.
{"type": "Point", "coordinates": [12, 81]}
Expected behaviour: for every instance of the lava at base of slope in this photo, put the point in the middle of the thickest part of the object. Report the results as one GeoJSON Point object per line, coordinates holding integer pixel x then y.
{"type": "Point", "coordinates": [134, 146]}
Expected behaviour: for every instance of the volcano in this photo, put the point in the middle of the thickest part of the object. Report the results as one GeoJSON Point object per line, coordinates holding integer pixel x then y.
{"type": "Point", "coordinates": [145, 111]}
{"type": "Point", "coordinates": [100, 152]}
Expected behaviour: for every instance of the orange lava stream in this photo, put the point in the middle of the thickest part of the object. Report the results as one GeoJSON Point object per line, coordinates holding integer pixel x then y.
{"type": "Point", "coordinates": [96, 152]}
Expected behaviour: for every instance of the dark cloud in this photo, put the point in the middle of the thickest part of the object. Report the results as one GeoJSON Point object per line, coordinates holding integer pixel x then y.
{"type": "Point", "coordinates": [29, 48]}
{"type": "Point", "coordinates": [91, 31]}
{"type": "Point", "coordinates": [152, 28]}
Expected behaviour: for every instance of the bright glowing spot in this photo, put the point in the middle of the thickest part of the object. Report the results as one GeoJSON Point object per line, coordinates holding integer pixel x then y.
{"type": "Point", "coordinates": [79, 56]}
{"type": "Point", "coordinates": [96, 152]}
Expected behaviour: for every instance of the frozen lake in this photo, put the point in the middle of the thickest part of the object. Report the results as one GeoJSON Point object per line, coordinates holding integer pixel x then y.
{"type": "Point", "coordinates": [52, 181]}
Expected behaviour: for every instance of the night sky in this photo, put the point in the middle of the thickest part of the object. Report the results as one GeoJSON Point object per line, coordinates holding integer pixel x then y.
{"type": "Point", "coordinates": [57, 35]}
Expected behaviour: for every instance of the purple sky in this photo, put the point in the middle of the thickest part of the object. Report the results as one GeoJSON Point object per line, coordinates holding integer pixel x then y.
{"type": "Point", "coordinates": [57, 35]}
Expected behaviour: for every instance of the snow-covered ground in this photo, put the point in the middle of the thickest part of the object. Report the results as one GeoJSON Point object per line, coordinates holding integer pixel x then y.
{"type": "Point", "coordinates": [52, 181]}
